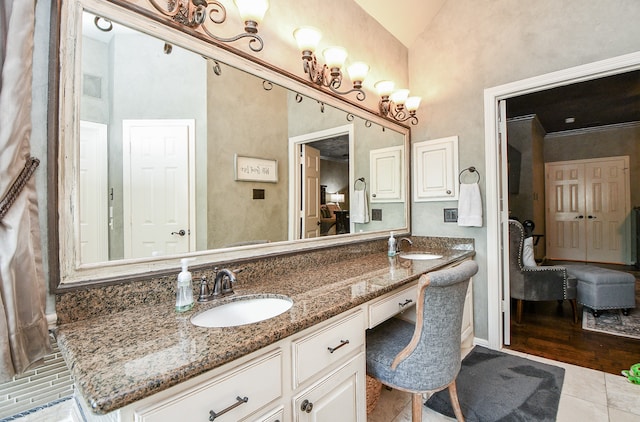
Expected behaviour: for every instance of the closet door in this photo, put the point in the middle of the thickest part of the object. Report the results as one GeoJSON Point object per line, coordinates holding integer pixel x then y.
{"type": "Point", "coordinates": [605, 182]}
{"type": "Point", "coordinates": [565, 225]}
{"type": "Point", "coordinates": [587, 205]}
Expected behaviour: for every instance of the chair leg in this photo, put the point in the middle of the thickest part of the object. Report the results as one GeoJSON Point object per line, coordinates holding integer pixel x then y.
{"type": "Point", "coordinates": [574, 307]}
{"type": "Point", "coordinates": [519, 311]}
{"type": "Point", "coordinates": [453, 394]}
{"type": "Point", "coordinates": [416, 407]}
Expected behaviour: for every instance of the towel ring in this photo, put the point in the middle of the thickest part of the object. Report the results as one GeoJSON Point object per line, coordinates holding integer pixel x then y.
{"type": "Point", "coordinates": [355, 184]}
{"type": "Point", "coordinates": [470, 170]}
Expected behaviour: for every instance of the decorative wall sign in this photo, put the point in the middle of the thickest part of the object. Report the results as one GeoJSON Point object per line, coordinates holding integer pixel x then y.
{"type": "Point", "coordinates": [249, 169]}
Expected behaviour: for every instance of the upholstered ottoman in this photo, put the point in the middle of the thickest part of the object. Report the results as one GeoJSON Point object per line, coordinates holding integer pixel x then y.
{"type": "Point", "coordinates": [602, 288]}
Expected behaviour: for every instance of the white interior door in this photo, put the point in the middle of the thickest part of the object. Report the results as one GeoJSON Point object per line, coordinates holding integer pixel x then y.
{"type": "Point", "coordinates": [310, 192]}
{"type": "Point", "coordinates": [94, 232]}
{"type": "Point", "coordinates": [158, 187]}
{"type": "Point", "coordinates": [503, 195]}
{"type": "Point", "coordinates": [565, 225]}
{"type": "Point", "coordinates": [587, 205]}
{"type": "Point", "coordinates": [607, 206]}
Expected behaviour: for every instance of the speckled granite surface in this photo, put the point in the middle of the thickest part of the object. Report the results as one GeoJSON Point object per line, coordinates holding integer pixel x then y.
{"type": "Point", "coordinates": [147, 347]}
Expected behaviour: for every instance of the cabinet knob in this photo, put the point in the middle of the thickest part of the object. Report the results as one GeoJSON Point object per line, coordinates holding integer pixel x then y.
{"type": "Point", "coordinates": [306, 406]}
{"type": "Point", "coordinates": [373, 194]}
{"type": "Point", "coordinates": [448, 191]}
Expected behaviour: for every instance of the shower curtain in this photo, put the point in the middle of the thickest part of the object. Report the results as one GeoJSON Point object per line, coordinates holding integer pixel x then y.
{"type": "Point", "coordinates": [24, 338]}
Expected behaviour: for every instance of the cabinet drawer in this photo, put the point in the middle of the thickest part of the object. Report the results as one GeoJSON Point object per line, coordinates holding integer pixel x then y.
{"type": "Point", "coordinates": [326, 346]}
{"type": "Point", "coordinates": [221, 392]}
{"type": "Point", "coordinates": [391, 305]}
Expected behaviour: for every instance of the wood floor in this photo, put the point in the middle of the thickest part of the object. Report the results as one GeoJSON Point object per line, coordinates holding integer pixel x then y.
{"type": "Point", "coordinates": [547, 330]}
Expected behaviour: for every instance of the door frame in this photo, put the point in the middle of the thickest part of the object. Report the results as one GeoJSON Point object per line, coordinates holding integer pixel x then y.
{"type": "Point", "coordinates": [295, 171]}
{"type": "Point", "coordinates": [497, 219]}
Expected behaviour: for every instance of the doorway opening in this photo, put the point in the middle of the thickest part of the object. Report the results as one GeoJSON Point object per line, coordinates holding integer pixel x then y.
{"type": "Point", "coordinates": [321, 179]}
{"type": "Point", "coordinates": [497, 177]}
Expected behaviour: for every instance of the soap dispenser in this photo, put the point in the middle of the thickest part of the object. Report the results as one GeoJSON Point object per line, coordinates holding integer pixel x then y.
{"type": "Point", "coordinates": [184, 293]}
{"type": "Point", "coordinates": [392, 245]}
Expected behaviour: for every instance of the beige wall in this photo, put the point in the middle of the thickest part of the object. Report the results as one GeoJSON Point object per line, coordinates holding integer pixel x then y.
{"type": "Point", "coordinates": [472, 45]}
{"type": "Point", "coordinates": [609, 141]}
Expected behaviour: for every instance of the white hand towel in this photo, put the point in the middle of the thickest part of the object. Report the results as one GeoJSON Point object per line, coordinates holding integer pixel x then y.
{"type": "Point", "coordinates": [359, 210]}
{"type": "Point", "coordinates": [470, 205]}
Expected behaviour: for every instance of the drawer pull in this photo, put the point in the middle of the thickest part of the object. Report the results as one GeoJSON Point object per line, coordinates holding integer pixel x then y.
{"type": "Point", "coordinates": [342, 343]}
{"type": "Point", "coordinates": [307, 406]}
{"type": "Point", "coordinates": [213, 415]}
{"type": "Point", "coordinates": [406, 302]}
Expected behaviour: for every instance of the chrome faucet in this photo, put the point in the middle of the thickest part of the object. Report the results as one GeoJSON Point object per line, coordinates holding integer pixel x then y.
{"type": "Point", "coordinates": [406, 239]}
{"type": "Point", "coordinates": [222, 285]}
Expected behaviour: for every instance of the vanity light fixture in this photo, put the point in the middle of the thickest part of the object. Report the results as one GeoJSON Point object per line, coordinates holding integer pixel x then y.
{"type": "Point", "coordinates": [194, 14]}
{"type": "Point", "coordinates": [330, 74]}
{"type": "Point", "coordinates": [396, 103]}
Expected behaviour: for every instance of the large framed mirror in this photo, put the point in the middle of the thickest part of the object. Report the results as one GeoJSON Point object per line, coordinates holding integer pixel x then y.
{"type": "Point", "coordinates": [169, 146]}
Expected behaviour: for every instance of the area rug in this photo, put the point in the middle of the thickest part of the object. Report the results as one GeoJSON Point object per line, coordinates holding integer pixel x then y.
{"type": "Point", "coordinates": [613, 322]}
{"type": "Point", "coordinates": [496, 386]}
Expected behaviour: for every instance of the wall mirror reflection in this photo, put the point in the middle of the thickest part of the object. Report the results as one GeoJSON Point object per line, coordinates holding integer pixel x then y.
{"type": "Point", "coordinates": [164, 135]}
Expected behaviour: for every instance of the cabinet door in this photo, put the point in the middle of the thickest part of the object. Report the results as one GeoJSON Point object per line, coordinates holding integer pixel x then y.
{"type": "Point", "coordinates": [340, 396]}
{"type": "Point", "coordinates": [386, 173]}
{"type": "Point", "coordinates": [435, 170]}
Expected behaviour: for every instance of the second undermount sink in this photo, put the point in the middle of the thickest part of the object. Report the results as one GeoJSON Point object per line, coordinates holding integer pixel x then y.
{"type": "Point", "coordinates": [420, 256]}
{"type": "Point", "coordinates": [243, 310]}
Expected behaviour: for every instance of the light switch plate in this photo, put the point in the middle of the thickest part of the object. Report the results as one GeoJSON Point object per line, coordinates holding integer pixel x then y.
{"type": "Point", "coordinates": [450, 215]}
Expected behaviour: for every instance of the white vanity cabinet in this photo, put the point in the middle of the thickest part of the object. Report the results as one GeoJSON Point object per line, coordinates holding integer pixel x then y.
{"type": "Point", "coordinates": [317, 375]}
{"type": "Point", "coordinates": [386, 167]}
{"type": "Point", "coordinates": [435, 170]}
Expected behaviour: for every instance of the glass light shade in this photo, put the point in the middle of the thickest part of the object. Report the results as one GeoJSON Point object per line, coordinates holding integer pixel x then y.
{"type": "Point", "coordinates": [400, 96]}
{"type": "Point", "coordinates": [384, 88]}
{"type": "Point", "coordinates": [307, 38]}
{"type": "Point", "coordinates": [412, 103]}
{"type": "Point", "coordinates": [252, 10]}
{"type": "Point", "coordinates": [358, 71]}
{"type": "Point", "coordinates": [334, 57]}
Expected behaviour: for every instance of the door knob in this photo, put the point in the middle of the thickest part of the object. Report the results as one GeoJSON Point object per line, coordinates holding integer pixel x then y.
{"type": "Point", "coordinates": [591, 217]}
{"type": "Point", "coordinates": [579, 217]}
{"type": "Point", "coordinates": [180, 233]}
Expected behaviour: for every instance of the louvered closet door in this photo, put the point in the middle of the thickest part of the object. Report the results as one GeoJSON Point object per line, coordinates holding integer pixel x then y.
{"type": "Point", "coordinates": [587, 205]}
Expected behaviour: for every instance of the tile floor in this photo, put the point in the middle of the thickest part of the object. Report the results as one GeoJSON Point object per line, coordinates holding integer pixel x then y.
{"type": "Point", "coordinates": [587, 395]}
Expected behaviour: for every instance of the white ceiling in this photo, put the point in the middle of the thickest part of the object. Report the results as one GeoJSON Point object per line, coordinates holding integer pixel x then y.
{"type": "Point", "coordinates": [405, 19]}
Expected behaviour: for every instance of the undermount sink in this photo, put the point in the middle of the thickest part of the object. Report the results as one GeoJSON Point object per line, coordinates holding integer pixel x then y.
{"type": "Point", "coordinates": [420, 256]}
{"type": "Point", "coordinates": [243, 310]}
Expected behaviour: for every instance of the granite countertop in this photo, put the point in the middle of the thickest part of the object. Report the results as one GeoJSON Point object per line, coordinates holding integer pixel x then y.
{"type": "Point", "coordinates": [129, 355]}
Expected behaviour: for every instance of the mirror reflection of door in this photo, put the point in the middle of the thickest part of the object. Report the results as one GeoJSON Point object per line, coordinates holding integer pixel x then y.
{"type": "Point", "coordinates": [310, 192]}
{"type": "Point", "coordinates": [94, 234]}
{"type": "Point", "coordinates": [158, 200]}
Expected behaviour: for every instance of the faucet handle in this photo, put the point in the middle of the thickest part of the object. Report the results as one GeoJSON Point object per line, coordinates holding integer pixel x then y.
{"type": "Point", "coordinates": [204, 290]}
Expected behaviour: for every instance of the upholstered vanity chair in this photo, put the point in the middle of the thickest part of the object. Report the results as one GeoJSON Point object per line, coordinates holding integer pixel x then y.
{"type": "Point", "coordinates": [424, 357]}
{"type": "Point", "coordinates": [536, 283]}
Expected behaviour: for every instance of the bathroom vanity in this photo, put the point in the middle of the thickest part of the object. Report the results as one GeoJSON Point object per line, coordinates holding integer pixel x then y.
{"type": "Point", "coordinates": [148, 363]}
